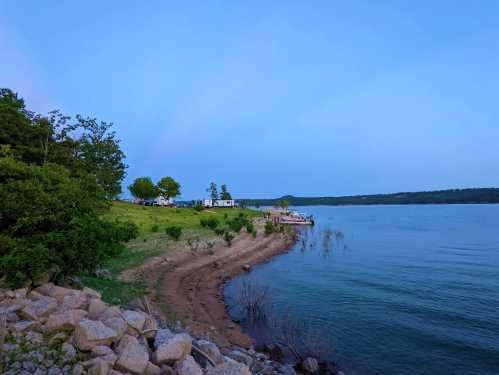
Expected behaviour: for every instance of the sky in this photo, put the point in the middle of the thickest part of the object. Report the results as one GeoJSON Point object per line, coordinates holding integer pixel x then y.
{"type": "Point", "coordinates": [309, 98]}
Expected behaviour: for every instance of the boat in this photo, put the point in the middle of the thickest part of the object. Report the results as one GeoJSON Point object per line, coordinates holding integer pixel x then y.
{"type": "Point", "coordinates": [296, 218]}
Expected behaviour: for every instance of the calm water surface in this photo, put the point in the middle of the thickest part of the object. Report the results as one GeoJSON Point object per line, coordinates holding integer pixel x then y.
{"type": "Point", "coordinates": [401, 289]}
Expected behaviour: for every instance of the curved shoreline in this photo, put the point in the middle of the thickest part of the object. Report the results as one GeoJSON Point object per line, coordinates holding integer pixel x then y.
{"type": "Point", "coordinates": [189, 287]}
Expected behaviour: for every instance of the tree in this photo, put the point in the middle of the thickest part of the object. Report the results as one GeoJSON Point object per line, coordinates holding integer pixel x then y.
{"type": "Point", "coordinates": [50, 218]}
{"type": "Point", "coordinates": [143, 188]}
{"type": "Point", "coordinates": [213, 190]}
{"type": "Point", "coordinates": [224, 194]}
{"type": "Point", "coordinates": [99, 154]}
{"type": "Point", "coordinates": [168, 188]}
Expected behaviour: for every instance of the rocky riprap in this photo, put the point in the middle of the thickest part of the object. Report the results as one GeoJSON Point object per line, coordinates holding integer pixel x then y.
{"type": "Point", "coordinates": [54, 330]}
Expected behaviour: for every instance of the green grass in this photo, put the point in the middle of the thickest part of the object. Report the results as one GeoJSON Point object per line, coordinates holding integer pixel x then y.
{"type": "Point", "coordinates": [147, 217]}
{"type": "Point", "coordinates": [152, 241]}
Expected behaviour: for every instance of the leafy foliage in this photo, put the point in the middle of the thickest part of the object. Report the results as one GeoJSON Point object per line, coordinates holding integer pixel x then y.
{"type": "Point", "coordinates": [168, 187]}
{"type": "Point", "coordinates": [224, 194]}
{"type": "Point", "coordinates": [51, 218]}
{"type": "Point", "coordinates": [174, 231]}
{"type": "Point", "coordinates": [143, 188]}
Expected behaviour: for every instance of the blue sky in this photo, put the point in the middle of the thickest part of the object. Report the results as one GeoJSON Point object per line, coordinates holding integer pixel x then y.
{"type": "Point", "coordinates": [273, 97]}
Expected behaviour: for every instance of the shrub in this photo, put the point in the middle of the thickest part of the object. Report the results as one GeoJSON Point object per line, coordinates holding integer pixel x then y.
{"type": "Point", "coordinates": [199, 207]}
{"type": "Point", "coordinates": [50, 218]}
{"type": "Point", "coordinates": [254, 233]}
{"type": "Point", "coordinates": [211, 223]}
{"type": "Point", "coordinates": [250, 227]}
{"type": "Point", "coordinates": [228, 237]}
{"type": "Point", "coordinates": [219, 231]}
{"type": "Point", "coordinates": [269, 228]}
{"type": "Point", "coordinates": [174, 232]}
{"type": "Point", "coordinates": [155, 228]}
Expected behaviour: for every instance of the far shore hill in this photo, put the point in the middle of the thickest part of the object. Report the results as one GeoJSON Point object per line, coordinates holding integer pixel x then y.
{"type": "Point", "coordinates": [450, 196]}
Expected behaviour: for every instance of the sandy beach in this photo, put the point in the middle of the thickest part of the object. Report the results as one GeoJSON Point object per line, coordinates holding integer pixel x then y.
{"type": "Point", "coordinates": [189, 287]}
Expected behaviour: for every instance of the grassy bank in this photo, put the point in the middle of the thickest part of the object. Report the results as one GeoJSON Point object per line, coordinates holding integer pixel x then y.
{"type": "Point", "coordinates": [152, 241]}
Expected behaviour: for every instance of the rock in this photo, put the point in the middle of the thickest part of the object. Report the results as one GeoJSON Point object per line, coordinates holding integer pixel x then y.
{"type": "Point", "coordinates": [58, 338]}
{"type": "Point", "coordinates": [20, 293]}
{"type": "Point", "coordinates": [40, 308]}
{"type": "Point", "coordinates": [209, 348]}
{"type": "Point", "coordinates": [133, 357]}
{"type": "Point", "coordinates": [114, 372]}
{"type": "Point", "coordinates": [34, 337]}
{"type": "Point", "coordinates": [287, 370]}
{"type": "Point", "coordinates": [174, 349]}
{"type": "Point", "coordinates": [46, 276]}
{"type": "Point", "coordinates": [241, 357]}
{"type": "Point", "coordinates": [73, 282]}
{"type": "Point", "coordinates": [111, 312]}
{"type": "Point", "coordinates": [91, 293]}
{"type": "Point", "coordinates": [92, 333]}
{"type": "Point", "coordinates": [95, 308]}
{"type": "Point", "coordinates": [135, 320]}
{"type": "Point", "coordinates": [229, 367]}
{"type": "Point", "coordinates": [99, 367]}
{"type": "Point", "coordinates": [54, 291]}
{"type": "Point", "coordinates": [246, 267]}
{"type": "Point", "coordinates": [64, 320]}
{"type": "Point", "coordinates": [310, 365]}
{"type": "Point", "coordinates": [34, 295]}
{"type": "Point", "coordinates": [118, 325]}
{"type": "Point", "coordinates": [77, 369]}
{"type": "Point", "coordinates": [101, 350]}
{"type": "Point", "coordinates": [152, 369]}
{"type": "Point", "coordinates": [77, 300]}
{"type": "Point", "coordinates": [274, 352]}
{"type": "Point", "coordinates": [162, 336]}
{"type": "Point", "coordinates": [150, 324]}
{"type": "Point", "coordinates": [188, 366]}
{"type": "Point", "coordinates": [25, 325]}
{"type": "Point", "coordinates": [69, 352]}
{"type": "Point", "coordinates": [103, 273]}
{"type": "Point", "coordinates": [167, 370]}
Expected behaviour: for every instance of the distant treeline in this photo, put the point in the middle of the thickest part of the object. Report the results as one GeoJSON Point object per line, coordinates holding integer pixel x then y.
{"type": "Point", "coordinates": [452, 196]}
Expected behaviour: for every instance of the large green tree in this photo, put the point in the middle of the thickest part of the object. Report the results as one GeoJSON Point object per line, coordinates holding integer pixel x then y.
{"type": "Point", "coordinates": [224, 194]}
{"type": "Point", "coordinates": [143, 188]}
{"type": "Point", "coordinates": [213, 190]}
{"type": "Point", "coordinates": [168, 188]}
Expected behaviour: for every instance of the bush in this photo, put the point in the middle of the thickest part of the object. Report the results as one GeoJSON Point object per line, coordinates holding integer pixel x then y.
{"type": "Point", "coordinates": [254, 233]}
{"type": "Point", "coordinates": [269, 228]}
{"type": "Point", "coordinates": [211, 223]}
{"type": "Point", "coordinates": [250, 227]}
{"type": "Point", "coordinates": [174, 232]}
{"type": "Point", "coordinates": [219, 231]}
{"type": "Point", "coordinates": [228, 237]}
{"type": "Point", "coordinates": [50, 218]}
{"type": "Point", "coordinates": [155, 228]}
{"type": "Point", "coordinates": [198, 207]}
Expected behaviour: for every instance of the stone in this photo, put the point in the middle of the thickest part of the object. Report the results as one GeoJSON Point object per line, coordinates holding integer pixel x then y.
{"type": "Point", "coordinates": [241, 357]}
{"type": "Point", "coordinates": [162, 336]}
{"type": "Point", "coordinates": [111, 312]}
{"type": "Point", "coordinates": [114, 372]}
{"type": "Point", "coordinates": [34, 295]}
{"type": "Point", "coordinates": [20, 293]}
{"type": "Point", "coordinates": [167, 370]}
{"type": "Point", "coordinates": [118, 325]}
{"type": "Point", "coordinates": [174, 349]}
{"type": "Point", "coordinates": [77, 369]}
{"type": "Point", "coordinates": [150, 324]}
{"type": "Point", "coordinates": [91, 293]}
{"type": "Point", "coordinates": [101, 350]}
{"type": "Point", "coordinates": [152, 369]}
{"type": "Point", "coordinates": [58, 338]}
{"type": "Point", "coordinates": [229, 367]}
{"type": "Point", "coordinates": [77, 300]}
{"type": "Point", "coordinates": [188, 366]}
{"type": "Point", "coordinates": [64, 320]}
{"type": "Point", "coordinates": [274, 351]}
{"type": "Point", "coordinates": [133, 357]}
{"type": "Point", "coordinates": [310, 365]}
{"type": "Point", "coordinates": [211, 350]}
{"type": "Point", "coordinates": [135, 319]}
{"type": "Point", "coordinates": [91, 333]}
{"type": "Point", "coordinates": [25, 325]}
{"type": "Point", "coordinates": [40, 308]}
{"type": "Point", "coordinates": [34, 337]}
{"type": "Point", "coordinates": [95, 308]}
{"type": "Point", "coordinates": [69, 352]}
{"type": "Point", "coordinates": [99, 367]}
{"type": "Point", "coordinates": [246, 267]}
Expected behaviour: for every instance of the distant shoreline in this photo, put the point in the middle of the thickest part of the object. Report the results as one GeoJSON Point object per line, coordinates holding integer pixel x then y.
{"type": "Point", "coordinates": [450, 196]}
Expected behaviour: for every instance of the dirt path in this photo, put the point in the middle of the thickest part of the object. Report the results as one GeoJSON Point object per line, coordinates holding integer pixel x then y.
{"type": "Point", "coordinates": [189, 287]}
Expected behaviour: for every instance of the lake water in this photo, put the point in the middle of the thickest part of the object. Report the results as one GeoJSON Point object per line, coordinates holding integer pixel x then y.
{"type": "Point", "coordinates": [400, 289]}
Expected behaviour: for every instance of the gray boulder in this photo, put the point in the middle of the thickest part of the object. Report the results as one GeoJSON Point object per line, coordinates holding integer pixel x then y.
{"type": "Point", "coordinates": [188, 366]}
{"type": "Point", "coordinates": [92, 333]}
